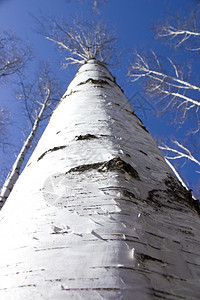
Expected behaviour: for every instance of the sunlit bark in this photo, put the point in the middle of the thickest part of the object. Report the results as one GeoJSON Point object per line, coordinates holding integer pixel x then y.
{"type": "Point", "coordinates": [97, 213]}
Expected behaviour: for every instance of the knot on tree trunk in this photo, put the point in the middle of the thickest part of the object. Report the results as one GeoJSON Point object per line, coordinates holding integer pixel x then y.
{"type": "Point", "coordinates": [114, 164]}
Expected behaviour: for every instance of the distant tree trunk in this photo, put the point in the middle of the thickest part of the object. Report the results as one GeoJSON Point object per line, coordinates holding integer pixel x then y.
{"type": "Point", "coordinates": [97, 213]}
{"type": "Point", "coordinates": [16, 168]}
{"type": "Point", "coordinates": [45, 92]}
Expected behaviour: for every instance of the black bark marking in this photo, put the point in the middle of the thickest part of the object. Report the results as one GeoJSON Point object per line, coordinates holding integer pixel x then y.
{"type": "Point", "coordinates": [60, 232]}
{"type": "Point", "coordinates": [176, 189]}
{"type": "Point", "coordinates": [175, 196]}
{"type": "Point", "coordinates": [115, 164]}
{"type": "Point", "coordinates": [95, 81]}
{"type": "Point", "coordinates": [116, 267]}
{"type": "Point", "coordinates": [143, 152]}
{"type": "Point", "coordinates": [85, 137]}
{"type": "Point", "coordinates": [134, 114]}
{"type": "Point", "coordinates": [98, 236]}
{"type": "Point", "coordinates": [156, 235]}
{"type": "Point", "coordinates": [90, 289]}
{"type": "Point", "coordinates": [162, 295]}
{"type": "Point", "coordinates": [128, 194]}
{"type": "Point", "coordinates": [72, 92]}
{"type": "Point", "coordinates": [159, 199]}
{"type": "Point", "coordinates": [143, 127]}
{"type": "Point", "coordinates": [51, 150]}
{"type": "Point", "coordinates": [144, 257]}
{"type": "Point", "coordinates": [113, 79]}
{"type": "Point", "coordinates": [152, 198]}
{"type": "Point", "coordinates": [52, 248]}
{"type": "Point", "coordinates": [83, 168]}
{"type": "Point", "coordinates": [102, 82]}
{"type": "Point", "coordinates": [27, 285]}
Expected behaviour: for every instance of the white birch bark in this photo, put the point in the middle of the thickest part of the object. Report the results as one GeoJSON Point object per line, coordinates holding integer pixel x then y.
{"type": "Point", "coordinates": [97, 213]}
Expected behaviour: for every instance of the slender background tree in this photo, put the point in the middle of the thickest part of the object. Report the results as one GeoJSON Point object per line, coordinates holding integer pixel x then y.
{"type": "Point", "coordinates": [40, 99]}
{"type": "Point", "coordinates": [14, 56]}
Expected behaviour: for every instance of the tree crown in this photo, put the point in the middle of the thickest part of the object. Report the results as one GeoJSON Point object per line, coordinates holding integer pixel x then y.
{"type": "Point", "coordinates": [82, 41]}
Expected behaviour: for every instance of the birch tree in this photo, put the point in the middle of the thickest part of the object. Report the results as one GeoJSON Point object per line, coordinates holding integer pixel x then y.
{"type": "Point", "coordinates": [99, 201]}
{"type": "Point", "coordinates": [13, 58]}
{"type": "Point", "coordinates": [82, 43]}
{"type": "Point", "coordinates": [39, 99]}
{"type": "Point", "coordinates": [97, 213]}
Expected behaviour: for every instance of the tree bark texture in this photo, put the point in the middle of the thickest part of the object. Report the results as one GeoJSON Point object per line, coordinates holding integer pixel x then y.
{"type": "Point", "coordinates": [97, 213]}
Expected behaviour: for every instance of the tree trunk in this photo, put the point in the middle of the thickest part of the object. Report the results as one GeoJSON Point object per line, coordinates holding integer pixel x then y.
{"type": "Point", "coordinates": [97, 213]}
{"type": "Point", "coordinates": [16, 168]}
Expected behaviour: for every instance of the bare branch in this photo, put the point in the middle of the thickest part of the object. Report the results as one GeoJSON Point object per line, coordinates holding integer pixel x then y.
{"type": "Point", "coordinates": [182, 31]}
{"type": "Point", "coordinates": [179, 152]}
{"type": "Point", "coordinates": [176, 173]}
{"type": "Point", "coordinates": [169, 82]}
{"type": "Point", "coordinates": [13, 56]}
{"type": "Point", "coordinates": [81, 41]}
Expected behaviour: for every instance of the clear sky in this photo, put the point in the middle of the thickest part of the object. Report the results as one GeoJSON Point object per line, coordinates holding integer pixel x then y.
{"type": "Point", "coordinates": [132, 21]}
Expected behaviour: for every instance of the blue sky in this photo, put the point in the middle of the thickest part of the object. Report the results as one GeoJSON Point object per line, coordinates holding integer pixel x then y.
{"type": "Point", "coordinates": [132, 21]}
